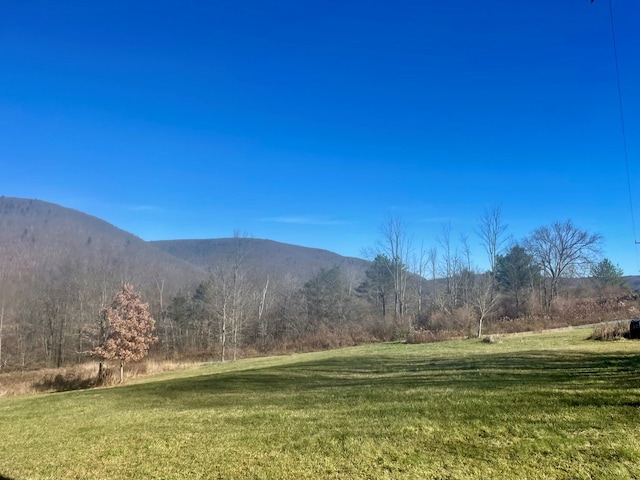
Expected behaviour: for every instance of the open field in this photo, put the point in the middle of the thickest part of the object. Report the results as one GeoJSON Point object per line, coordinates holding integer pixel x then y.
{"type": "Point", "coordinates": [531, 406]}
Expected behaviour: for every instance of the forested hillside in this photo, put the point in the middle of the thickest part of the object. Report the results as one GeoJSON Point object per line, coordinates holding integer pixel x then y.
{"type": "Point", "coordinates": [59, 268]}
{"type": "Point", "coordinates": [39, 238]}
{"type": "Point", "coordinates": [225, 298]}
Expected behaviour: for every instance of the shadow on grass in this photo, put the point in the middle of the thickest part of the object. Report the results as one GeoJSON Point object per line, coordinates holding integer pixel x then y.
{"type": "Point", "coordinates": [574, 378]}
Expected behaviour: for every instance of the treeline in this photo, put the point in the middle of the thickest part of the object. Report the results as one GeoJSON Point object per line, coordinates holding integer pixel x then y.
{"type": "Point", "coordinates": [408, 292]}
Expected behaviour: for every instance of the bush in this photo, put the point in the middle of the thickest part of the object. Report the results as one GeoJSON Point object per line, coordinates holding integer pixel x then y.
{"type": "Point", "coordinates": [428, 336]}
{"type": "Point", "coordinates": [66, 380]}
{"type": "Point", "coordinates": [360, 336]}
{"type": "Point", "coordinates": [610, 331]}
{"type": "Point", "coordinates": [492, 339]}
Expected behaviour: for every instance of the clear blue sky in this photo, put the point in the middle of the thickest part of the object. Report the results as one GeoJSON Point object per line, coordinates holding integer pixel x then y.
{"type": "Point", "coordinates": [308, 122]}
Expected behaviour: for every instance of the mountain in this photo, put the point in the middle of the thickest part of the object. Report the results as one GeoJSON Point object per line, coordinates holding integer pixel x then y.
{"type": "Point", "coordinates": [40, 239]}
{"type": "Point", "coordinates": [634, 282]}
{"type": "Point", "coordinates": [59, 267]}
{"type": "Point", "coordinates": [265, 256]}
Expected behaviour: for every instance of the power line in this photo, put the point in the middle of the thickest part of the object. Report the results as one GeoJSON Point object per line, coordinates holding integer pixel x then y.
{"type": "Point", "coordinates": [622, 126]}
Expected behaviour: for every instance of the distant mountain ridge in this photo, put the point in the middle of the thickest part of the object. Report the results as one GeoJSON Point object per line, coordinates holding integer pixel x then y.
{"type": "Point", "coordinates": [37, 236]}
{"type": "Point", "coordinates": [266, 256]}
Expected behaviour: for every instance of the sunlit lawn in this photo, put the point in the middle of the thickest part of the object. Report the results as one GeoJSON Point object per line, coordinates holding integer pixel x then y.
{"type": "Point", "coordinates": [535, 406]}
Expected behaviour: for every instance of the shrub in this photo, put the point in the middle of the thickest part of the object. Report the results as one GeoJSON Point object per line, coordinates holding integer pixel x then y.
{"type": "Point", "coordinates": [492, 339]}
{"type": "Point", "coordinates": [610, 331]}
{"type": "Point", "coordinates": [428, 336]}
{"type": "Point", "coordinates": [65, 380]}
{"type": "Point", "coordinates": [360, 336]}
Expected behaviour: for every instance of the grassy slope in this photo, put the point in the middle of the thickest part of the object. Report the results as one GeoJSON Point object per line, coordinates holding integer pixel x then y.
{"type": "Point", "coordinates": [538, 406]}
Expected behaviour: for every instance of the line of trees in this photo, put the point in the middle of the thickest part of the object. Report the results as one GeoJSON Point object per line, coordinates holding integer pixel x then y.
{"type": "Point", "coordinates": [238, 310]}
{"type": "Point", "coordinates": [524, 278]}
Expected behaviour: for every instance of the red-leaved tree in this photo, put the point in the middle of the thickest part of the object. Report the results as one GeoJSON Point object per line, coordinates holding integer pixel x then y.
{"type": "Point", "coordinates": [129, 329]}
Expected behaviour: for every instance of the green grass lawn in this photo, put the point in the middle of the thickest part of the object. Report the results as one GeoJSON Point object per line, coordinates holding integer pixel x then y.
{"type": "Point", "coordinates": [533, 406]}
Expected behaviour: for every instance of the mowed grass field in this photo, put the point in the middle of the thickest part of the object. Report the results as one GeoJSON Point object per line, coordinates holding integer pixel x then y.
{"type": "Point", "coordinates": [533, 406]}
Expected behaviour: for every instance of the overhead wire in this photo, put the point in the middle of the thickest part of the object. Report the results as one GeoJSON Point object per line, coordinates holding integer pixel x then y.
{"type": "Point", "coordinates": [623, 129]}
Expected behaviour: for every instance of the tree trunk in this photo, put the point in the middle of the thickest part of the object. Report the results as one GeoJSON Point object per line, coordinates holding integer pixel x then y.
{"type": "Point", "coordinates": [121, 371]}
{"type": "Point", "coordinates": [60, 342]}
{"type": "Point", "coordinates": [223, 333]}
{"type": "Point", "coordinates": [235, 341]}
{"type": "Point", "coordinates": [263, 322]}
{"type": "Point", "coordinates": [102, 373]}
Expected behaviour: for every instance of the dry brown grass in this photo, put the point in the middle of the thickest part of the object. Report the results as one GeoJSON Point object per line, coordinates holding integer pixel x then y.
{"type": "Point", "coordinates": [611, 331]}
{"type": "Point", "coordinates": [80, 376]}
{"type": "Point", "coordinates": [46, 379]}
{"type": "Point", "coordinates": [427, 336]}
{"type": "Point", "coordinates": [492, 339]}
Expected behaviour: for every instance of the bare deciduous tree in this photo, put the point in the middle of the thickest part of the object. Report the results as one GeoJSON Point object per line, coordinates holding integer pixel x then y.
{"type": "Point", "coordinates": [289, 308]}
{"type": "Point", "coordinates": [483, 299]}
{"type": "Point", "coordinates": [560, 249]}
{"type": "Point", "coordinates": [396, 245]}
{"type": "Point", "coordinates": [420, 269]}
{"type": "Point", "coordinates": [264, 301]}
{"type": "Point", "coordinates": [492, 234]}
{"type": "Point", "coordinates": [449, 266]}
{"type": "Point", "coordinates": [465, 272]}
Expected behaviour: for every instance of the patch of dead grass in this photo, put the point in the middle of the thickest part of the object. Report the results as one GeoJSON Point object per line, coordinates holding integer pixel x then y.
{"type": "Point", "coordinates": [80, 377]}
